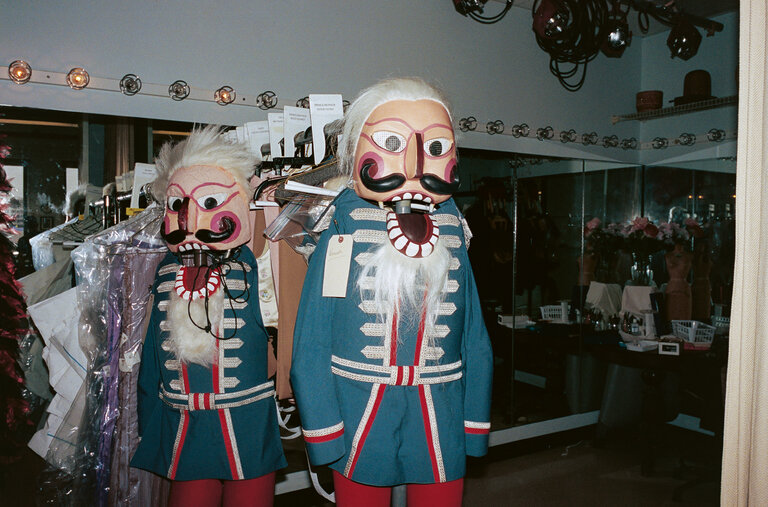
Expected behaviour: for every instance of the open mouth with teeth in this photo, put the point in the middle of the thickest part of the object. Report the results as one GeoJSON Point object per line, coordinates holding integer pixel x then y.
{"type": "Point", "coordinates": [412, 234]}
{"type": "Point", "coordinates": [188, 247]}
{"type": "Point", "coordinates": [411, 196]}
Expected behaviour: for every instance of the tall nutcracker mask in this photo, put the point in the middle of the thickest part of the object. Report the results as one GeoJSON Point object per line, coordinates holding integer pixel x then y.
{"type": "Point", "coordinates": [399, 147]}
{"type": "Point", "coordinates": [203, 182]}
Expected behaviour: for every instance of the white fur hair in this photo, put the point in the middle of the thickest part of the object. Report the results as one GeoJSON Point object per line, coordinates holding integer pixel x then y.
{"type": "Point", "coordinates": [410, 286]}
{"type": "Point", "coordinates": [75, 200]}
{"type": "Point", "coordinates": [189, 343]}
{"type": "Point", "coordinates": [369, 99]}
{"type": "Point", "coordinates": [206, 146]}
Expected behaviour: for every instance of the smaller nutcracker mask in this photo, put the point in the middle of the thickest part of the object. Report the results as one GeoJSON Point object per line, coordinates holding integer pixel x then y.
{"type": "Point", "coordinates": [399, 145]}
{"type": "Point", "coordinates": [203, 182]}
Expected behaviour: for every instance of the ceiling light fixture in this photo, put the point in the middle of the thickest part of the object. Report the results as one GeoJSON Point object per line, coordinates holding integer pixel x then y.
{"type": "Point", "coordinates": [684, 39]}
{"type": "Point", "coordinates": [78, 78]}
{"type": "Point", "coordinates": [618, 36]}
{"type": "Point", "coordinates": [130, 84]}
{"type": "Point", "coordinates": [19, 71]}
{"type": "Point", "coordinates": [550, 19]}
{"type": "Point", "coordinates": [178, 90]}
{"type": "Point", "coordinates": [224, 95]}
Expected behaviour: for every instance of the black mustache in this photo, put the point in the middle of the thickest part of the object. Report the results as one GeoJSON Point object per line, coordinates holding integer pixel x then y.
{"type": "Point", "coordinates": [386, 184]}
{"type": "Point", "coordinates": [204, 235]}
{"type": "Point", "coordinates": [438, 186]}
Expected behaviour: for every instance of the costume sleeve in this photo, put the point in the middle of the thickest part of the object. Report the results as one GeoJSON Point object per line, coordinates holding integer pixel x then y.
{"type": "Point", "coordinates": [149, 373]}
{"type": "Point", "coordinates": [478, 371]}
{"type": "Point", "coordinates": [311, 376]}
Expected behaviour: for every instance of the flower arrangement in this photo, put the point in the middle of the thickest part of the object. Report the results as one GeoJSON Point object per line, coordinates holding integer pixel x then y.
{"type": "Point", "coordinates": [671, 233]}
{"type": "Point", "coordinates": [642, 237]}
{"type": "Point", "coordinates": [603, 240]}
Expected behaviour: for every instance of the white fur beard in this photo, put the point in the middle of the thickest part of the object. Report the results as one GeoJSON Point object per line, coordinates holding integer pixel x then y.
{"type": "Point", "coordinates": [409, 285]}
{"type": "Point", "coordinates": [189, 343]}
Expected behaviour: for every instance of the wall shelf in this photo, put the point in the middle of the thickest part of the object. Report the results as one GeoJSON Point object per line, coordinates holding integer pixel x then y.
{"type": "Point", "coordinates": [678, 110]}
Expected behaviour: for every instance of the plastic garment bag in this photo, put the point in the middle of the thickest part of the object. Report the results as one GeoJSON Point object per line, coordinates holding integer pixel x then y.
{"type": "Point", "coordinates": [95, 418]}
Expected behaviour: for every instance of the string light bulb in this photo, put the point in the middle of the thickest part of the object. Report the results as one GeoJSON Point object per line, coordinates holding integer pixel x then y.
{"type": "Point", "coordinates": [179, 90]}
{"type": "Point", "coordinates": [224, 95]}
{"type": "Point", "coordinates": [19, 71]}
{"type": "Point", "coordinates": [78, 78]}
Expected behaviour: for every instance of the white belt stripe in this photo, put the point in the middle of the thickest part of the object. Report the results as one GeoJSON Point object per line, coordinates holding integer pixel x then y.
{"type": "Point", "coordinates": [387, 370]}
{"type": "Point", "coordinates": [215, 405]}
{"type": "Point", "coordinates": [373, 379]}
{"type": "Point", "coordinates": [222, 396]}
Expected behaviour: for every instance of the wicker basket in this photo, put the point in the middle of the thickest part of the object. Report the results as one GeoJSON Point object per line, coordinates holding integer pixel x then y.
{"type": "Point", "coordinates": [694, 334]}
{"type": "Point", "coordinates": [552, 312]}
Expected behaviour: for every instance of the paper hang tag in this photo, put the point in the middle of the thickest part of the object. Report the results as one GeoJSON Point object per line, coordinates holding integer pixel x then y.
{"type": "Point", "coordinates": [337, 261]}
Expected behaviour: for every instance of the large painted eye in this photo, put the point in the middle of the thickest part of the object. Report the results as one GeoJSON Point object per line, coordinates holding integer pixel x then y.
{"type": "Point", "coordinates": [438, 147]}
{"type": "Point", "coordinates": [174, 203]}
{"type": "Point", "coordinates": [212, 201]}
{"type": "Point", "coordinates": [390, 141]}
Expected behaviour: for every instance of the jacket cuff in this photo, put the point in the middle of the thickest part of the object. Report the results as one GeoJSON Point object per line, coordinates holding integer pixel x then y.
{"type": "Point", "coordinates": [324, 445]}
{"type": "Point", "coordinates": [476, 437]}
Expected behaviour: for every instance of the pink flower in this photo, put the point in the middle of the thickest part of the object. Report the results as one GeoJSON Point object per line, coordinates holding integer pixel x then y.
{"type": "Point", "coordinates": [638, 224]}
{"type": "Point", "coordinates": [591, 227]}
{"type": "Point", "coordinates": [650, 230]}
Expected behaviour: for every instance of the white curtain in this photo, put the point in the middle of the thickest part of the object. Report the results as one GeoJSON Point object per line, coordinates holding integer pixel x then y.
{"type": "Point", "coordinates": [745, 449]}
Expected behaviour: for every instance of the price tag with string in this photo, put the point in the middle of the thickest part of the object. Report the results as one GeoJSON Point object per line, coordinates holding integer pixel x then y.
{"type": "Point", "coordinates": [337, 260]}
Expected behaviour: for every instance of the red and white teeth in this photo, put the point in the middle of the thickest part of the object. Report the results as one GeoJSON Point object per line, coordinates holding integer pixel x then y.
{"type": "Point", "coordinates": [415, 197]}
{"type": "Point", "coordinates": [407, 246]}
{"type": "Point", "coordinates": [193, 246]}
{"type": "Point", "coordinates": [210, 287]}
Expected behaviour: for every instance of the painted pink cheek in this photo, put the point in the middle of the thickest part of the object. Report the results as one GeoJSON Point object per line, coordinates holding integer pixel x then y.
{"type": "Point", "coordinates": [374, 160]}
{"type": "Point", "coordinates": [167, 224]}
{"type": "Point", "coordinates": [450, 171]}
{"type": "Point", "coordinates": [217, 221]}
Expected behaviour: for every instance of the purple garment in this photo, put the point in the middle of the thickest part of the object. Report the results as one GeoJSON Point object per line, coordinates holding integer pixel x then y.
{"type": "Point", "coordinates": [133, 486]}
{"type": "Point", "coordinates": [110, 371]}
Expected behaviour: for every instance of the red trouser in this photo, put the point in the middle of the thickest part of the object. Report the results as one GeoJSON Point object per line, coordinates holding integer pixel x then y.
{"type": "Point", "coordinates": [214, 492]}
{"type": "Point", "coordinates": [353, 494]}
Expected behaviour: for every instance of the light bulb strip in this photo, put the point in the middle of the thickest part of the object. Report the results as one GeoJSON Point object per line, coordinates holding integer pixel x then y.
{"type": "Point", "coordinates": [576, 138]}
{"type": "Point", "coordinates": [148, 89]}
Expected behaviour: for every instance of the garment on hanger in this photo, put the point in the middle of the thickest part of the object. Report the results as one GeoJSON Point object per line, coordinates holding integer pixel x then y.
{"type": "Point", "coordinates": [39, 286]}
{"type": "Point", "coordinates": [42, 247]}
{"type": "Point", "coordinates": [57, 320]}
{"type": "Point", "coordinates": [100, 265]}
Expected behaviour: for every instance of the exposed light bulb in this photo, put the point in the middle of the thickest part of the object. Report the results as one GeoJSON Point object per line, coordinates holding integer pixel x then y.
{"type": "Point", "coordinates": [78, 78]}
{"type": "Point", "coordinates": [224, 95]}
{"type": "Point", "coordinates": [19, 71]}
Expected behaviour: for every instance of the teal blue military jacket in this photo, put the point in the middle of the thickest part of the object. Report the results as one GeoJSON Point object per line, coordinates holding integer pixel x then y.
{"type": "Point", "coordinates": [386, 408]}
{"type": "Point", "coordinates": [214, 422]}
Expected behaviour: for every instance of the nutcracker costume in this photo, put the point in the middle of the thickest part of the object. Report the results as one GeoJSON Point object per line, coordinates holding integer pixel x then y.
{"type": "Point", "coordinates": [207, 416]}
{"type": "Point", "coordinates": [392, 367]}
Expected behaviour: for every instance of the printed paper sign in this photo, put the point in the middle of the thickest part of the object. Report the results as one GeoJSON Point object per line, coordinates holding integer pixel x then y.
{"type": "Point", "coordinates": [324, 110]}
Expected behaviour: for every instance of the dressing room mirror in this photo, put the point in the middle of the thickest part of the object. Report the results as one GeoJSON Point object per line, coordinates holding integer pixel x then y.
{"type": "Point", "coordinates": [566, 212]}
